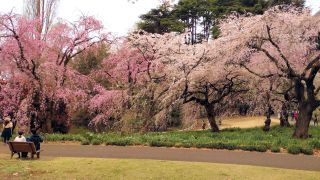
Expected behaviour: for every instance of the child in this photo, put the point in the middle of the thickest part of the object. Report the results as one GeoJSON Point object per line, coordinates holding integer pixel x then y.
{"type": "Point", "coordinates": [36, 139]}
{"type": "Point", "coordinates": [21, 138]}
{"type": "Point", "coordinates": [7, 130]}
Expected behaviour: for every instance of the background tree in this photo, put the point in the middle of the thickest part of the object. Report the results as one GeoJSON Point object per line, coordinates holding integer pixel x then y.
{"type": "Point", "coordinates": [160, 20]}
{"type": "Point", "coordinates": [193, 74]}
{"type": "Point", "coordinates": [43, 11]}
{"type": "Point", "coordinates": [284, 40]}
{"type": "Point", "coordinates": [45, 62]}
{"type": "Point", "coordinates": [200, 18]}
{"type": "Point", "coordinates": [91, 60]}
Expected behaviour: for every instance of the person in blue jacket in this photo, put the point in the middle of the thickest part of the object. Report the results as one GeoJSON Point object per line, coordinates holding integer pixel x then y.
{"type": "Point", "coordinates": [36, 139]}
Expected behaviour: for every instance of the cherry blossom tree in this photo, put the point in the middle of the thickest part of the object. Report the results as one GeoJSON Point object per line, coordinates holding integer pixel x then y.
{"type": "Point", "coordinates": [281, 42]}
{"type": "Point", "coordinates": [191, 73]}
{"type": "Point", "coordinates": [45, 62]}
{"type": "Point", "coordinates": [135, 77]}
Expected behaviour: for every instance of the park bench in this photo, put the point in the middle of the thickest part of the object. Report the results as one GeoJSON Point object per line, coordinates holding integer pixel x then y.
{"type": "Point", "coordinates": [18, 147]}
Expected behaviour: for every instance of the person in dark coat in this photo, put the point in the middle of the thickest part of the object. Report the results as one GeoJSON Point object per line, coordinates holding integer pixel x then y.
{"type": "Point", "coordinates": [36, 139]}
{"type": "Point", "coordinates": [7, 130]}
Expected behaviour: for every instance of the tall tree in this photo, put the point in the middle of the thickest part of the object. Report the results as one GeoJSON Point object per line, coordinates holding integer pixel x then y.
{"type": "Point", "coordinates": [201, 17]}
{"type": "Point", "coordinates": [45, 62]}
{"type": "Point", "coordinates": [160, 20]}
{"type": "Point", "coordinates": [44, 11]}
{"type": "Point", "coordinates": [285, 41]}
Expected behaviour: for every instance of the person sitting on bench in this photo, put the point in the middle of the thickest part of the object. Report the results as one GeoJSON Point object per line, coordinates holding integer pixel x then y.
{"type": "Point", "coordinates": [21, 138]}
{"type": "Point", "coordinates": [36, 139]}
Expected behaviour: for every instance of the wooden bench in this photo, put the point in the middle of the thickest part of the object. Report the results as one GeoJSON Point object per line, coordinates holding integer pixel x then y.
{"type": "Point", "coordinates": [18, 147]}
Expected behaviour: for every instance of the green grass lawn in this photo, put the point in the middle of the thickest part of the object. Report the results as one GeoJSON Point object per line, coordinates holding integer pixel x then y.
{"type": "Point", "coordinates": [253, 139]}
{"type": "Point", "coordinates": [93, 168]}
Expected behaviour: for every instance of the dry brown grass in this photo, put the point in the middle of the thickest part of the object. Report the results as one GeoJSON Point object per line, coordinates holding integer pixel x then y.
{"type": "Point", "coordinates": [238, 122]}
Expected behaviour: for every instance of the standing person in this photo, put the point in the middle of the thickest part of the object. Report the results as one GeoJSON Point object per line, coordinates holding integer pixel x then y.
{"type": "Point", "coordinates": [295, 115]}
{"type": "Point", "coordinates": [36, 139]}
{"type": "Point", "coordinates": [13, 120]}
{"type": "Point", "coordinates": [7, 130]}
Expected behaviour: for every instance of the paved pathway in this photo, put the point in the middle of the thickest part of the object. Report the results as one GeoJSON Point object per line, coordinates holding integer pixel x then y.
{"type": "Point", "coordinates": [287, 161]}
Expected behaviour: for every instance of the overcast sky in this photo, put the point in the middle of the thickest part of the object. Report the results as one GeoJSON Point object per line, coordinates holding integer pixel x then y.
{"type": "Point", "coordinates": [118, 16]}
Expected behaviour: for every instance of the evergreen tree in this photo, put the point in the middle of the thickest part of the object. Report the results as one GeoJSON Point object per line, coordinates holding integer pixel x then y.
{"type": "Point", "coordinates": [160, 21]}
{"type": "Point", "coordinates": [200, 17]}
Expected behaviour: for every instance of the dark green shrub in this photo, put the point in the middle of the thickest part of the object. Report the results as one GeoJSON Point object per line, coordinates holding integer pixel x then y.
{"type": "Point", "coordinates": [203, 145]}
{"type": "Point", "coordinates": [275, 149]}
{"type": "Point", "coordinates": [294, 149]}
{"type": "Point", "coordinates": [261, 148]}
{"type": "Point", "coordinates": [178, 145]}
{"type": "Point", "coordinates": [155, 143]}
{"type": "Point", "coordinates": [247, 148]}
{"type": "Point", "coordinates": [218, 145]}
{"type": "Point", "coordinates": [161, 144]}
{"type": "Point", "coordinates": [315, 143]}
{"type": "Point", "coordinates": [230, 146]}
{"type": "Point", "coordinates": [85, 142]}
{"type": "Point", "coordinates": [186, 145]}
{"type": "Point", "coordinates": [168, 144]}
{"type": "Point", "coordinates": [89, 136]}
{"type": "Point", "coordinates": [118, 142]}
{"type": "Point", "coordinates": [307, 150]}
{"type": "Point", "coordinates": [96, 142]}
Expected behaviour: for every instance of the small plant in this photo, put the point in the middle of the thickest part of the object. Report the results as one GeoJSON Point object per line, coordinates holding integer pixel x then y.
{"type": "Point", "coordinates": [294, 149]}
{"type": "Point", "coordinates": [96, 142]}
{"type": "Point", "coordinates": [85, 142]}
{"type": "Point", "coordinates": [275, 149]}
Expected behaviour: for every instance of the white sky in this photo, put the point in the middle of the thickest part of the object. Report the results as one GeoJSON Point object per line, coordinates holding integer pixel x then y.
{"type": "Point", "coordinates": [118, 16]}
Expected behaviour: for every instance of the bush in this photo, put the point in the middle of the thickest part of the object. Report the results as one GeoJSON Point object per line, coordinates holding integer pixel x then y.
{"type": "Point", "coordinates": [229, 146]}
{"type": "Point", "coordinates": [85, 142]}
{"type": "Point", "coordinates": [275, 149]}
{"type": "Point", "coordinates": [247, 148]}
{"type": "Point", "coordinates": [186, 145]}
{"type": "Point", "coordinates": [307, 150]}
{"type": "Point", "coordinates": [161, 144]}
{"type": "Point", "coordinates": [96, 142]}
{"type": "Point", "coordinates": [89, 136]}
{"type": "Point", "coordinates": [261, 148]}
{"type": "Point", "coordinates": [118, 142]}
{"type": "Point", "coordinates": [315, 143]}
{"type": "Point", "coordinates": [294, 149]}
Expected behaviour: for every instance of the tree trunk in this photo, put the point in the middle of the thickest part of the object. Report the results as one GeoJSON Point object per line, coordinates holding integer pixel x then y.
{"type": "Point", "coordinates": [48, 125]}
{"type": "Point", "coordinates": [212, 118]}
{"type": "Point", "coordinates": [304, 118]}
{"type": "Point", "coordinates": [284, 122]}
{"type": "Point", "coordinates": [267, 122]}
